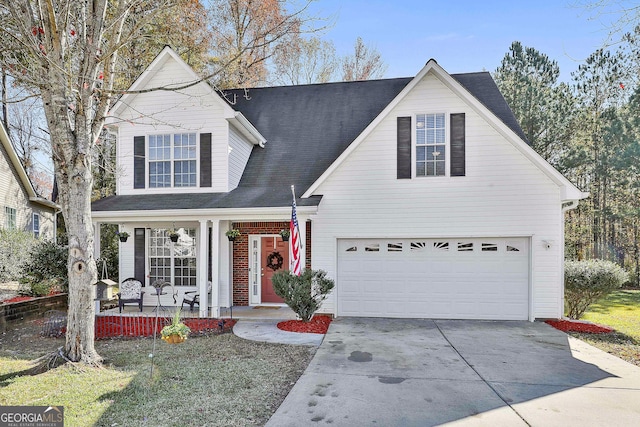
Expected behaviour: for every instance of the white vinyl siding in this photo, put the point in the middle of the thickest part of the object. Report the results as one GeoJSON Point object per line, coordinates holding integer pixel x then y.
{"type": "Point", "coordinates": [503, 194]}
{"type": "Point", "coordinates": [193, 110]}
{"type": "Point", "coordinates": [239, 152]}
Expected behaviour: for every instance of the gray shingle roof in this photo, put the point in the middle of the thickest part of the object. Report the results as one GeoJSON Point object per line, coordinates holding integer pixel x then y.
{"type": "Point", "coordinates": [307, 127]}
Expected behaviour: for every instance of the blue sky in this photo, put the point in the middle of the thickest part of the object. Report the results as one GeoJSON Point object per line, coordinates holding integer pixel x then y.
{"type": "Point", "coordinates": [464, 36]}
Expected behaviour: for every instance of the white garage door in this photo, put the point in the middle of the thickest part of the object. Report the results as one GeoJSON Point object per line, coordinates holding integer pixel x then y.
{"type": "Point", "coordinates": [483, 278]}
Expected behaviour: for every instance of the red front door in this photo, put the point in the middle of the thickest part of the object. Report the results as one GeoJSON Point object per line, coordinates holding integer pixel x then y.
{"type": "Point", "coordinates": [275, 257]}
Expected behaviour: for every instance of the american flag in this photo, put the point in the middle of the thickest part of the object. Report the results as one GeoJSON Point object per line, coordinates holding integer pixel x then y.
{"type": "Point", "coordinates": [295, 240]}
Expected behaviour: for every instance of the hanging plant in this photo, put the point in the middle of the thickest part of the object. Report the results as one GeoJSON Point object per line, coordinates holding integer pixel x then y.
{"type": "Point", "coordinates": [232, 234]}
{"type": "Point", "coordinates": [122, 235]}
{"type": "Point", "coordinates": [176, 332]}
{"type": "Point", "coordinates": [173, 235]}
{"type": "Point", "coordinates": [285, 233]}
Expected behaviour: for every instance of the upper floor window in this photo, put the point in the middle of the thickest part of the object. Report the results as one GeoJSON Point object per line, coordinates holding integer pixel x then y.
{"type": "Point", "coordinates": [36, 225]}
{"type": "Point", "coordinates": [10, 221]}
{"type": "Point", "coordinates": [431, 145]}
{"type": "Point", "coordinates": [172, 160]}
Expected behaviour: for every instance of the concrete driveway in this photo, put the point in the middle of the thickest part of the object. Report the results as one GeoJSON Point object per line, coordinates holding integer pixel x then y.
{"type": "Point", "coordinates": [392, 372]}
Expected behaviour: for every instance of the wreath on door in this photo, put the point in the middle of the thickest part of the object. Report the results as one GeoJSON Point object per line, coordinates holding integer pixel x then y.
{"type": "Point", "coordinates": [274, 261]}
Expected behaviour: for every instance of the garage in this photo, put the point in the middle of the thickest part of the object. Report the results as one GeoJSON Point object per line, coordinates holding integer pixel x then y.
{"type": "Point", "coordinates": [456, 278]}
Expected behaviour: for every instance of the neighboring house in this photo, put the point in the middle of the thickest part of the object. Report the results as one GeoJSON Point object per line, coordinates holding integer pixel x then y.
{"type": "Point", "coordinates": [419, 196]}
{"type": "Point", "coordinates": [22, 208]}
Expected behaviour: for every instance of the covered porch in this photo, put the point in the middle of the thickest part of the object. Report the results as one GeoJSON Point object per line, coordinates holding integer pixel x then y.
{"type": "Point", "coordinates": [202, 259]}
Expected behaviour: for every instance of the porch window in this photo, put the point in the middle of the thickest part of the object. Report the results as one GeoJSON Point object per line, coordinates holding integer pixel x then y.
{"type": "Point", "coordinates": [174, 262]}
{"type": "Point", "coordinates": [172, 152]}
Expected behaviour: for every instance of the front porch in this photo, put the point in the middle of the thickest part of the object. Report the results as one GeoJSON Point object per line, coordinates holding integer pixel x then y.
{"type": "Point", "coordinates": [201, 259]}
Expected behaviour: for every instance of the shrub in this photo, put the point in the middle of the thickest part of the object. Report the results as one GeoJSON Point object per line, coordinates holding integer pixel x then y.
{"type": "Point", "coordinates": [303, 293]}
{"type": "Point", "coordinates": [46, 269]}
{"type": "Point", "coordinates": [14, 245]}
{"type": "Point", "coordinates": [585, 282]}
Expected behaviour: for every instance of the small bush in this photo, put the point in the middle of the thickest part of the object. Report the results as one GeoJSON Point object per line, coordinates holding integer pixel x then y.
{"type": "Point", "coordinates": [304, 293]}
{"type": "Point", "coordinates": [14, 245]}
{"type": "Point", "coordinates": [585, 282]}
{"type": "Point", "coordinates": [46, 269]}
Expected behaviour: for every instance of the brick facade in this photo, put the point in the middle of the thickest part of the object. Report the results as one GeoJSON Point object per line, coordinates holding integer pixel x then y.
{"type": "Point", "coordinates": [240, 264]}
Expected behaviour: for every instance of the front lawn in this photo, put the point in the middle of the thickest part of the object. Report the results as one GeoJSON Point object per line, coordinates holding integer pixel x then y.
{"type": "Point", "coordinates": [621, 311]}
{"type": "Point", "coordinates": [218, 380]}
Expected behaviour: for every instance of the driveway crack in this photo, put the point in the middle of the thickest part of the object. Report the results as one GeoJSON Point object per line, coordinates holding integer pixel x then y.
{"type": "Point", "coordinates": [479, 375]}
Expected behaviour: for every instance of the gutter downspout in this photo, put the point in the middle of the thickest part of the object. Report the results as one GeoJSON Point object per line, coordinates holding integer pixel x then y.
{"type": "Point", "coordinates": [565, 208]}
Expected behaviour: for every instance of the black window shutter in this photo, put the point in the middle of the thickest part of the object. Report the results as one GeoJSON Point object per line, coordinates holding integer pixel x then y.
{"type": "Point", "coordinates": [404, 147]}
{"type": "Point", "coordinates": [205, 160]}
{"type": "Point", "coordinates": [139, 254]}
{"type": "Point", "coordinates": [138, 162]}
{"type": "Point", "coordinates": [457, 145]}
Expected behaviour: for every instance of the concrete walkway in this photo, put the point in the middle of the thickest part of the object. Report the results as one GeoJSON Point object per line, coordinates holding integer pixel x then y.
{"type": "Point", "coordinates": [392, 372]}
{"type": "Point", "coordinates": [267, 331]}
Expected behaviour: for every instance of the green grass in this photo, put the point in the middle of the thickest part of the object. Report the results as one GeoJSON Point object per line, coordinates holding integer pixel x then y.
{"type": "Point", "coordinates": [215, 381]}
{"type": "Point", "coordinates": [621, 311]}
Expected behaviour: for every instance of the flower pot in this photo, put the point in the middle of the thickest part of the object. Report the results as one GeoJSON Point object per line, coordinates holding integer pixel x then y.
{"type": "Point", "coordinates": [285, 238]}
{"type": "Point", "coordinates": [123, 238]}
{"type": "Point", "coordinates": [174, 237]}
{"type": "Point", "coordinates": [231, 238]}
{"type": "Point", "coordinates": [174, 339]}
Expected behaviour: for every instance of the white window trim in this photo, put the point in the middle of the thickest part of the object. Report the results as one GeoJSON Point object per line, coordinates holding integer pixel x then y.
{"type": "Point", "coordinates": [6, 224]}
{"type": "Point", "coordinates": [33, 224]}
{"type": "Point", "coordinates": [172, 257]}
{"type": "Point", "coordinates": [447, 142]}
{"type": "Point", "coordinates": [172, 160]}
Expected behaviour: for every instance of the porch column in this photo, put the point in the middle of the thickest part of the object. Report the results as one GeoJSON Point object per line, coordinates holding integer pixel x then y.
{"type": "Point", "coordinates": [202, 268]}
{"type": "Point", "coordinates": [302, 227]}
{"type": "Point", "coordinates": [215, 268]}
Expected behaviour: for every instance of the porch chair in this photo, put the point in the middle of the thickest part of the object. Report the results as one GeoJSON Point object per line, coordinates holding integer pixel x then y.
{"type": "Point", "coordinates": [193, 297]}
{"type": "Point", "coordinates": [130, 292]}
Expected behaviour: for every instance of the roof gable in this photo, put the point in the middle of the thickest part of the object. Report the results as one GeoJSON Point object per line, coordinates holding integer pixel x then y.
{"type": "Point", "coordinates": [480, 92]}
{"type": "Point", "coordinates": [22, 176]}
{"type": "Point", "coordinates": [147, 76]}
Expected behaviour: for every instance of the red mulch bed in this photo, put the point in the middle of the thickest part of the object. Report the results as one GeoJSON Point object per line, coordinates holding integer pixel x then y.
{"type": "Point", "coordinates": [130, 326]}
{"type": "Point", "coordinates": [26, 298]}
{"type": "Point", "coordinates": [16, 299]}
{"type": "Point", "coordinates": [578, 326]}
{"type": "Point", "coordinates": [317, 325]}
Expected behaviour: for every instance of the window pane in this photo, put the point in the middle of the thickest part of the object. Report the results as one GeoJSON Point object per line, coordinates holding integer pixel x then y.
{"type": "Point", "coordinates": [431, 135]}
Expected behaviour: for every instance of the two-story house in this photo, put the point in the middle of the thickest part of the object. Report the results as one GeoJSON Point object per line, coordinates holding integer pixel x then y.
{"type": "Point", "coordinates": [419, 196]}
{"type": "Point", "coordinates": [22, 208]}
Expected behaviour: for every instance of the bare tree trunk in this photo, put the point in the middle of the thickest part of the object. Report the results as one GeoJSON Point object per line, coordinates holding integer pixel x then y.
{"type": "Point", "coordinates": [72, 160]}
{"type": "Point", "coordinates": [5, 111]}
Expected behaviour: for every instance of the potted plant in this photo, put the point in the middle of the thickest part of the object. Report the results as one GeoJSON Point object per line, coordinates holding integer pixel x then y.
{"type": "Point", "coordinates": [232, 234]}
{"type": "Point", "coordinates": [285, 233]}
{"type": "Point", "coordinates": [173, 235]}
{"type": "Point", "coordinates": [122, 235]}
{"type": "Point", "coordinates": [176, 332]}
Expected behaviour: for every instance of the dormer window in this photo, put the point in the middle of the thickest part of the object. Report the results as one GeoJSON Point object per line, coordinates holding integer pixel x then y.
{"type": "Point", "coordinates": [431, 145]}
{"type": "Point", "coordinates": [172, 160]}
